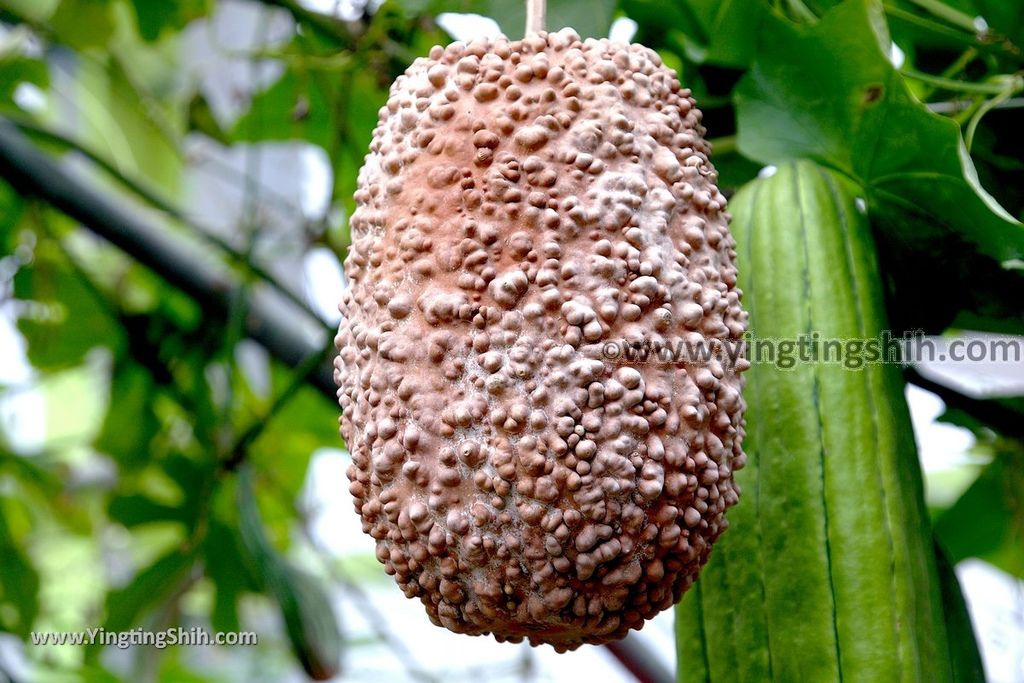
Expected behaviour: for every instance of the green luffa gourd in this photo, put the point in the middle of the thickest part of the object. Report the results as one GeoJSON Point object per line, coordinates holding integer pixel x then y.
{"type": "Point", "coordinates": [827, 571]}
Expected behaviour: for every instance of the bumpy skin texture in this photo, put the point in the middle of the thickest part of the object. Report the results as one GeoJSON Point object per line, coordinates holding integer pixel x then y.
{"type": "Point", "coordinates": [523, 204]}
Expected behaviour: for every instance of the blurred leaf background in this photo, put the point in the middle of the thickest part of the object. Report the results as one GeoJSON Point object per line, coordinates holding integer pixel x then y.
{"type": "Point", "coordinates": [153, 457]}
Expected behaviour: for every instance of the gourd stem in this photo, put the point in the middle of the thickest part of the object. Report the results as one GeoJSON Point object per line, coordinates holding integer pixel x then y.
{"type": "Point", "coordinates": [535, 16]}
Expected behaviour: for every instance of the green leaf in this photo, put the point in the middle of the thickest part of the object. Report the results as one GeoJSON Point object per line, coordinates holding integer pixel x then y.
{"type": "Point", "coordinates": [126, 114]}
{"type": "Point", "coordinates": [35, 10]}
{"type": "Point", "coordinates": [150, 587]}
{"type": "Point", "coordinates": [156, 18]}
{"type": "Point", "coordinates": [226, 566]}
{"type": "Point", "coordinates": [963, 644]}
{"type": "Point", "coordinates": [84, 24]}
{"type": "Point", "coordinates": [654, 15]}
{"type": "Point", "coordinates": [1005, 18]}
{"type": "Point", "coordinates": [828, 92]}
{"type": "Point", "coordinates": [11, 209]}
{"type": "Point", "coordinates": [136, 509]}
{"type": "Point", "coordinates": [734, 170]}
{"type": "Point", "coordinates": [722, 32]}
{"type": "Point", "coordinates": [175, 666]}
{"type": "Point", "coordinates": [987, 522]}
{"type": "Point", "coordinates": [1000, 166]}
{"type": "Point", "coordinates": [309, 620]}
{"type": "Point", "coordinates": [937, 283]}
{"type": "Point", "coordinates": [16, 69]}
{"type": "Point", "coordinates": [130, 424]}
{"type": "Point", "coordinates": [357, 119]}
{"type": "Point", "coordinates": [19, 584]}
{"type": "Point", "coordinates": [306, 423]}
{"type": "Point", "coordinates": [590, 19]}
{"type": "Point", "coordinates": [66, 318]}
{"type": "Point", "coordinates": [994, 422]}
{"type": "Point", "coordinates": [92, 673]}
{"type": "Point", "coordinates": [197, 480]}
{"type": "Point", "coordinates": [336, 110]}
{"type": "Point", "coordinates": [28, 471]}
{"type": "Point", "coordinates": [295, 107]}
{"type": "Point", "coordinates": [202, 119]}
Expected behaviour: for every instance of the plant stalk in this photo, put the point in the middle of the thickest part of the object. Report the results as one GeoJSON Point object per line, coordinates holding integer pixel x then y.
{"type": "Point", "coordinates": [535, 11]}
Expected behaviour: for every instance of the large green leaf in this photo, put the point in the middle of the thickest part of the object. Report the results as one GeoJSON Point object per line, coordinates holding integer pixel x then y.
{"type": "Point", "coordinates": [828, 92]}
{"type": "Point", "coordinates": [722, 32]}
